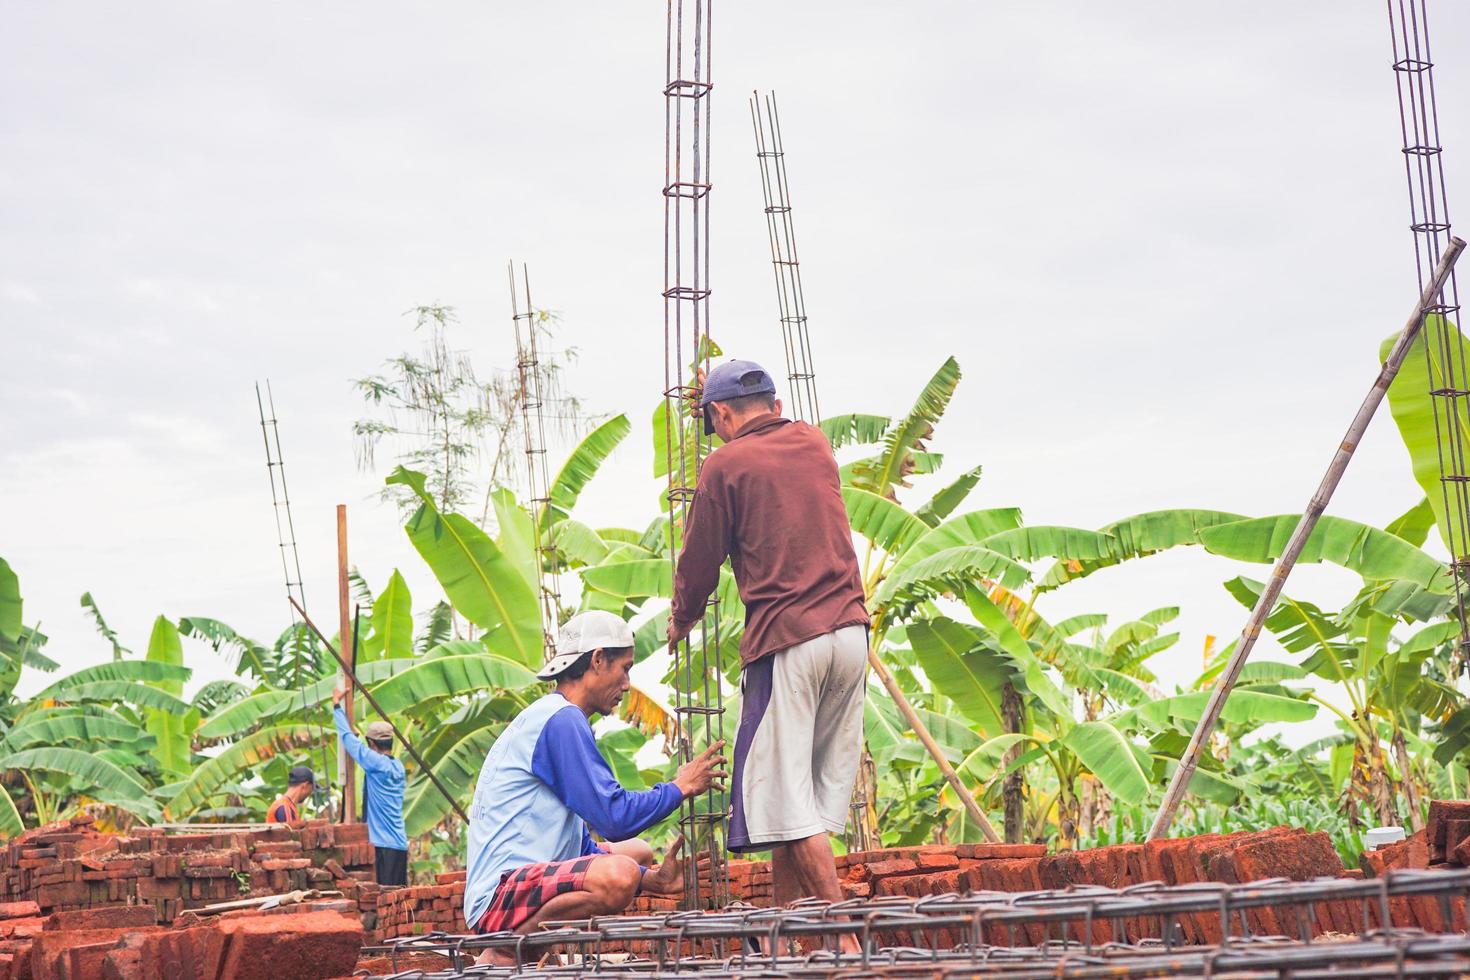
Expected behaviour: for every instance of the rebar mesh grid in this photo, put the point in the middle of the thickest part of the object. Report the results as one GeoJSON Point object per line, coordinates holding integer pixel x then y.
{"type": "Point", "coordinates": [698, 691]}
{"type": "Point", "coordinates": [1082, 932]}
{"type": "Point", "coordinates": [538, 476]}
{"type": "Point", "coordinates": [1429, 221]}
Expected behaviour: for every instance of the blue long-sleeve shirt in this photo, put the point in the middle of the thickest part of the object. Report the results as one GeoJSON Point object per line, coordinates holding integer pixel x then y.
{"type": "Point", "coordinates": [383, 779]}
{"type": "Point", "coordinates": [543, 784]}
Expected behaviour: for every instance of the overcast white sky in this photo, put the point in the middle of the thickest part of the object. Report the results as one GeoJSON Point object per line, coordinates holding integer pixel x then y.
{"type": "Point", "coordinates": [1162, 239]}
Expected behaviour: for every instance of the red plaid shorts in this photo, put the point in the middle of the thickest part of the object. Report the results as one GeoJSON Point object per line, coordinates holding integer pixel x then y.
{"type": "Point", "coordinates": [523, 891]}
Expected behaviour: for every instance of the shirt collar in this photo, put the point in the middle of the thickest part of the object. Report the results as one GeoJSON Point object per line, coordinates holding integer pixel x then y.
{"type": "Point", "coordinates": [762, 421]}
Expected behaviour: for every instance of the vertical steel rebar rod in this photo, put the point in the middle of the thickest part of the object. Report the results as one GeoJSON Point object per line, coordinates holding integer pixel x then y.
{"type": "Point", "coordinates": [275, 465]}
{"type": "Point", "coordinates": [538, 478]}
{"type": "Point", "coordinates": [790, 297]}
{"type": "Point", "coordinates": [1429, 222]}
{"type": "Point", "coordinates": [698, 691]}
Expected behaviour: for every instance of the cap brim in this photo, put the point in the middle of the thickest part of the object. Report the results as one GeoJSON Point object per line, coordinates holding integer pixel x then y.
{"type": "Point", "coordinates": [709, 422]}
{"type": "Point", "coordinates": [556, 665]}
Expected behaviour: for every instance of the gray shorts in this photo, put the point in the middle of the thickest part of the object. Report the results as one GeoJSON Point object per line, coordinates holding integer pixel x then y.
{"type": "Point", "coordinates": [801, 733]}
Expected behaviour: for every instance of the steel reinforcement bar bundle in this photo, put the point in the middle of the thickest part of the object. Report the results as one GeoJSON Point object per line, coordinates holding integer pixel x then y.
{"type": "Point", "coordinates": [1271, 928]}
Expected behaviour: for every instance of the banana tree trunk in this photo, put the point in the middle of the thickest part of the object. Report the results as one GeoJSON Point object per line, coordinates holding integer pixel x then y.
{"type": "Point", "coordinates": [1411, 785]}
{"type": "Point", "coordinates": [1013, 790]}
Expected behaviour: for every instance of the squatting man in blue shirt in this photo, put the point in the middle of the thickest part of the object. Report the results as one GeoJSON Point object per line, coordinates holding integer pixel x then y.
{"type": "Point", "coordinates": [530, 856]}
{"type": "Point", "coordinates": [382, 792]}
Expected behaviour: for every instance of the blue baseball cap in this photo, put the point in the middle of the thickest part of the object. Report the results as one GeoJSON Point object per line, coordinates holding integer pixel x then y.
{"type": "Point", "coordinates": [733, 379]}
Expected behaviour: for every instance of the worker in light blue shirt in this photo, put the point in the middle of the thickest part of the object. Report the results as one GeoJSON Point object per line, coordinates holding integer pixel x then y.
{"type": "Point", "coordinates": [382, 792]}
{"type": "Point", "coordinates": [544, 783]}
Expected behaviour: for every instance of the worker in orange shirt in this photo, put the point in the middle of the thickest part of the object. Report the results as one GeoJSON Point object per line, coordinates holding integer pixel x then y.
{"type": "Point", "coordinates": [299, 784]}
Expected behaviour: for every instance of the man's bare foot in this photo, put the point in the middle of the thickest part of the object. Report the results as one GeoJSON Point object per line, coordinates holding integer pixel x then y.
{"type": "Point", "coordinates": [496, 957]}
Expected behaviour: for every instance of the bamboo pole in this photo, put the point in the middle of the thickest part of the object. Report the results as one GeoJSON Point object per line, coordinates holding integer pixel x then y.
{"type": "Point", "coordinates": [1190, 762]}
{"type": "Point", "coordinates": [346, 768]}
{"type": "Point", "coordinates": [935, 752]}
{"type": "Point", "coordinates": [352, 676]}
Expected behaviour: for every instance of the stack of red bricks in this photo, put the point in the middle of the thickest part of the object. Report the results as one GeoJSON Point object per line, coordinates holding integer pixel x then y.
{"type": "Point", "coordinates": [70, 865]}
{"type": "Point", "coordinates": [125, 942]}
{"type": "Point", "coordinates": [420, 909]}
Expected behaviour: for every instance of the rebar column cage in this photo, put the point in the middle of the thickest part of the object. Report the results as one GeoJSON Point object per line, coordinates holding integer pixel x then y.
{"type": "Point", "coordinates": [698, 693]}
{"type": "Point", "coordinates": [538, 477]}
{"type": "Point", "coordinates": [790, 299]}
{"type": "Point", "coordinates": [275, 466]}
{"type": "Point", "coordinates": [1429, 221]}
{"type": "Point", "coordinates": [770, 154]}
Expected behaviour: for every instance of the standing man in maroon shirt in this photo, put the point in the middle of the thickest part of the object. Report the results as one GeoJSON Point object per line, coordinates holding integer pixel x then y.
{"type": "Point", "coordinates": [770, 499]}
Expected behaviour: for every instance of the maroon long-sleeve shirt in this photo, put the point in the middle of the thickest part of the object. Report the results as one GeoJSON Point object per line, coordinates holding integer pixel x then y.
{"type": "Point", "coordinates": [771, 500]}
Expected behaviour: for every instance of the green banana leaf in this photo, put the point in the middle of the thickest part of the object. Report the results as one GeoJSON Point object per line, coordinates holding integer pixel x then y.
{"type": "Point", "coordinates": [10, 822]}
{"type": "Point", "coordinates": [1373, 554]}
{"type": "Point", "coordinates": [253, 658]}
{"type": "Point", "coordinates": [150, 671]}
{"type": "Point", "coordinates": [138, 695]}
{"type": "Point", "coordinates": [1245, 706]}
{"type": "Point", "coordinates": [1047, 541]}
{"type": "Point", "coordinates": [85, 766]}
{"type": "Point", "coordinates": [952, 569]}
{"type": "Point", "coordinates": [481, 582]}
{"type": "Point", "coordinates": [885, 732]}
{"type": "Point", "coordinates": [444, 677]}
{"type": "Point", "coordinates": [578, 544]}
{"type": "Point", "coordinates": [854, 429]}
{"type": "Point", "coordinates": [244, 715]}
{"type": "Point", "coordinates": [1415, 411]}
{"type": "Point", "coordinates": [234, 762]}
{"type": "Point", "coordinates": [882, 521]}
{"type": "Point", "coordinates": [909, 434]}
{"type": "Point", "coordinates": [391, 635]}
{"type": "Point", "coordinates": [582, 465]}
{"type": "Point", "coordinates": [1138, 537]}
{"type": "Point", "coordinates": [994, 620]}
{"type": "Point", "coordinates": [171, 731]}
{"type": "Point", "coordinates": [107, 632]}
{"type": "Point", "coordinates": [88, 730]}
{"type": "Point", "coordinates": [1119, 764]}
{"type": "Point", "coordinates": [969, 528]}
{"type": "Point", "coordinates": [618, 748]}
{"type": "Point", "coordinates": [1413, 525]}
{"type": "Point", "coordinates": [944, 501]}
{"type": "Point", "coordinates": [10, 603]}
{"type": "Point", "coordinates": [459, 768]}
{"type": "Point", "coordinates": [517, 540]}
{"type": "Point", "coordinates": [963, 668]}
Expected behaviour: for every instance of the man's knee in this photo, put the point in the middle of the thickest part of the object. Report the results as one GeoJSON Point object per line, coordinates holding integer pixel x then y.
{"type": "Point", "coordinates": [613, 880]}
{"type": "Point", "coordinates": [635, 848]}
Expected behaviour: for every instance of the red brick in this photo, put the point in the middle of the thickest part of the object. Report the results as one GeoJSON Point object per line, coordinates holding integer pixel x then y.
{"type": "Point", "coordinates": [83, 962]}
{"type": "Point", "coordinates": [984, 852]}
{"type": "Point", "coordinates": [886, 869]}
{"type": "Point", "coordinates": [938, 861]}
{"type": "Point", "coordinates": [1440, 813]}
{"type": "Point", "coordinates": [102, 917]}
{"type": "Point", "coordinates": [49, 947]}
{"type": "Point", "coordinates": [18, 910]}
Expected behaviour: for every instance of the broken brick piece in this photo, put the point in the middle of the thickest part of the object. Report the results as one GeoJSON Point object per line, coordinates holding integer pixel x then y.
{"type": "Point", "coordinates": [1440, 813]}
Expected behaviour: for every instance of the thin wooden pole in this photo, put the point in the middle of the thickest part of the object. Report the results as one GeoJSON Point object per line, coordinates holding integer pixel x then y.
{"type": "Point", "coordinates": [352, 676]}
{"type": "Point", "coordinates": [1187, 765]}
{"type": "Point", "coordinates": [346, 768]}
{"type": "Point", "coordinates": [952, 777]}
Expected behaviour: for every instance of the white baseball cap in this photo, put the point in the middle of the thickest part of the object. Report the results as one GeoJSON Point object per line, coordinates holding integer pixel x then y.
{"type": "Point", "coordinates": [595, 629]}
